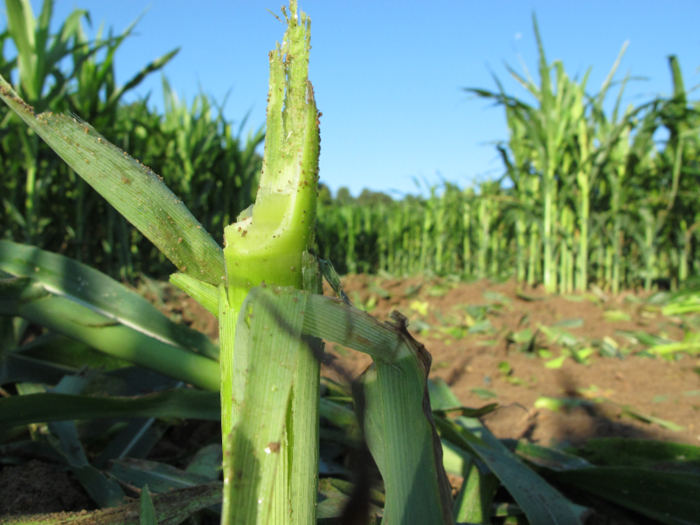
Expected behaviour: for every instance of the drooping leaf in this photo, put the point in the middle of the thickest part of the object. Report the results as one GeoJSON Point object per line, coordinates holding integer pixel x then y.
{"type": "Point", "coordinates": [84, 285]}
{"type": "Point", "coordinates": [181, 403]}
{"type": "Point", "coordinates": [132, 188]}
{"type": "Point", "coordinates": [64, 314]}
{"type": "Point", "coordinates": [541, 503]}
{"type": "Point", "coordinates": [669, 497]}
{"type": "Point", "coordinates": [161, 477]}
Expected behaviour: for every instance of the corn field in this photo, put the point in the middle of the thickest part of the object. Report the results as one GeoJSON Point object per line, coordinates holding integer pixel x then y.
{"type": "Point", "coordinates": [586, 196]}
{"type": "Point", "coordinates": [88, 365]}
{"type": "Point", "coordinates": [205, 159]}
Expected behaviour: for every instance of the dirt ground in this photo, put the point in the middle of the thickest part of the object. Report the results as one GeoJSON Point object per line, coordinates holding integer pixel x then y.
{"type": "Point", "coordinates": [605, 396]}
{"type": "Point", "coordinates": [602, 396]}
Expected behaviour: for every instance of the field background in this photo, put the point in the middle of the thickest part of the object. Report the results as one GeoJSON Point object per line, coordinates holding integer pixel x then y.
{"type": "Point", "coordinates": [590, 192]}
{"type": "Point", "coordinates": [598, 206]}
{"type": "Point", "coordinates": [567, 290]}
{"type": "Point", "coordinates": [590, 202]}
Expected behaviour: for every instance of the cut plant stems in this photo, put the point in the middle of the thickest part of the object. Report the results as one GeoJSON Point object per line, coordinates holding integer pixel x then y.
{"type": "Point", "coordinates": [267, 247]}
{"type": "Point", "coordinates": [268, 244]}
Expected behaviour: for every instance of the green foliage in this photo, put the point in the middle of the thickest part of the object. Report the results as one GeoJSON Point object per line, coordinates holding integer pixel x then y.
{"type": "Point", "coordinates": [203, 158]}
{"type": "Point", "coordinates": [271, 400]}
{"type": "Point", "coordinates": [586, 196]}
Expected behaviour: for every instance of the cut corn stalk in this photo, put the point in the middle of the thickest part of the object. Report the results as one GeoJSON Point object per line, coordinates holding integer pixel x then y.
{"type": "Point", "coordinates": [267, 246]}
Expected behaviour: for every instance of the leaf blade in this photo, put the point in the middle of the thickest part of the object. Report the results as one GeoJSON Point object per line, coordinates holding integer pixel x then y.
{"type": "Point", "coordinates": [133, 189]}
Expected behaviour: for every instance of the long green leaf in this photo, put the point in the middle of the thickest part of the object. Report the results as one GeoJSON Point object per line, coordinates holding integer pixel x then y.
{"type": "Point", "coordinates": [133, 189]}
{"type": "Point", "coordinates": [160, 477]}
{"type": "Point", "coordinates": [86, 286]}
{"type": "Point", "coordinates": [640, 452]}
{"type": "Point", "coordinates": [657, 479]}
{"type": "Point", "coordinates": [63, 351]}
{"type": "Point", "coordinates": [20, 369]}
{"type": "Point", "coordinates": [22, 25]}
{"type": "Point", "coordinates": [541, 503]}
{"type": "Point", "coordinates": [63, 436]}
{"type": "Point", "coordinates": [42, 408]}
{"type": "Point", "coordinates": [21, 297]}
{"type": "Point", "coordinates": [157, 64]}
{"type": "Point", "coordinates": [669, 497]}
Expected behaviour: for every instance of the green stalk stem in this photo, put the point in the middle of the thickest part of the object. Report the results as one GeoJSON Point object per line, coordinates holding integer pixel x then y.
{"type": "Point", "coordinates": [467, 249]}
{"type": "Point", "coordinates": [548, 241]}
{"type": "Point", "coordinates": [583, 217]}
{"type": "Point", "coordinates": [533, 255]}
{"type": "Point", "coordinates": [266, 246]}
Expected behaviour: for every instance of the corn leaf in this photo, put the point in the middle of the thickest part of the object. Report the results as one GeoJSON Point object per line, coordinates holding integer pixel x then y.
{"type": "Point", "coordinates": [86, 286]}
{"type": "Point", "coordinates": [541, 503]}
{"type": "Point", "coordinates": [392, 402]}
{"type": "Point", "coordinates": [692, 347]}
{"type": "Point", "coordinates": [473, 503]}
{"type": "Point", "coordinates": [334, 495]}
{"type": "Point", "coordinates": [159, 477]}
{"type": "Point", "coordinates": [550, 457]}
{"type": "Point", "coordinates": [640, 452]}
{"type": "Point", "coordinates": [206, 462]}
{"type": "Point", "coordinates": [63, 436]}
{"type": "Point", "coordinates": [42, 408]}
{"type": "Point", "coordinates": [669, 497]}
{"type": "Point", "coordinates": [148, 511]}
{"type": "Point", "coordinates": [133, 189]}
{"type": "Point", "coordinates": [204, 293]}
{"type": "Point", "coordinates": [23, 297]}
{"type": "Point", "coordinates": [61, 350]}
{"type": "Point", "coordinates": [16, 368]}
{"type": "Point", "coordinates": [136, 440]}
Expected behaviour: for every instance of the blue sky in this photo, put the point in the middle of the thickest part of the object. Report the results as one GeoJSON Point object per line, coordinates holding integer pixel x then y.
{"type": "Point", "coordinates": [388, 74]}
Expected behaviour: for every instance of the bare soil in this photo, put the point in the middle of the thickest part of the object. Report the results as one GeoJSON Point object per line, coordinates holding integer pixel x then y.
{"type": "Point", "coordinates": [39, 488]}
{"type": "Point", "coordinates": [602, 393]}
